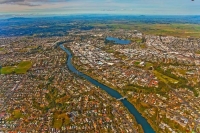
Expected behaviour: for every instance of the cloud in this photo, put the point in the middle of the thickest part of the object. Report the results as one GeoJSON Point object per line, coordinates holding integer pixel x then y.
{"type": "Point", "coordinates": [10, 1]}
{"type": "Point", "coordinates": [27, 2]}
{"type": "Point", "coordinates": [23, 2]}
{"type": "Point", "coordinates": [31, 2]}
{"type": "Point", "coordinates": [95, 6]}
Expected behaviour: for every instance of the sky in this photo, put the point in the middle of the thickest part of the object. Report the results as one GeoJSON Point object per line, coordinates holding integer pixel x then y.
{"type": "Point", "coordinates": [132, 7]}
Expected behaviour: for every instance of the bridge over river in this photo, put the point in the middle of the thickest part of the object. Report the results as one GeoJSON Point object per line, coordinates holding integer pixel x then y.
{"type": "Point", "coordinates": [139, 118]}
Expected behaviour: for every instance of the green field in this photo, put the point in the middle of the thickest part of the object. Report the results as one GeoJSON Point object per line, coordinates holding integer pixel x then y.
{"type": "Point", "coordinates": [57, 123]}
{"type": "Point", "coordinates": [178, 30]}
{"type": "Point", "coordinates": [1, 49]}
{"type": "Point", "coordinates": [16, 114]}
{"type": "Point", "coordinates": [59, 120]}
{"type": "Point", "coordinates": [8, 70]}
{"type": "Point", "coordinates": [148, 65]}
{"type": "Point", "coordinates": [21, 68]}
{"type": "Point", "coordinates": [181, 71]}
{"type": "Point", "coordinates": [197, 52]}
{"type": "Point", "coordinates": [136, 63]}
{"type": "Point", "coordinates": [165, 78]}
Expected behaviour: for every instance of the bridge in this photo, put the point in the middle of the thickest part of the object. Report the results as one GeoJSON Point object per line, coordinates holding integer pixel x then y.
{"type": "Point", "coordinates": [122, 98]}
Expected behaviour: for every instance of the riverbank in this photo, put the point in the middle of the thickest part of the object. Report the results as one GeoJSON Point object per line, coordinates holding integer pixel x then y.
{"type": "Point", "coordinates": [121, 92]}
{"type": "Point", "coordinates": [139, 118]}
{"type": "Point", "coordinates": [139, 127]}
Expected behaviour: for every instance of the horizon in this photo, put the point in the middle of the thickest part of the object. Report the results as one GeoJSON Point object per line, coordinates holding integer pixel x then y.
{"type": "Point", "coordinates": [114, 7]}
{"type": "Point", "coordinates": [8, 16]}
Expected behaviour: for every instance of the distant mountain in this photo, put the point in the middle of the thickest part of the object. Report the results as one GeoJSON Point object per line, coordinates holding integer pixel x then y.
{"type": "Point", "coordinates": [60, 25]}
{"type": "Point", "coordinates": [18, 18]}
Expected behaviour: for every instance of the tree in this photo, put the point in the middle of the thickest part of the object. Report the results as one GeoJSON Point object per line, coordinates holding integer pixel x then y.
{"type": "Point", "coordinates": [143, 39]}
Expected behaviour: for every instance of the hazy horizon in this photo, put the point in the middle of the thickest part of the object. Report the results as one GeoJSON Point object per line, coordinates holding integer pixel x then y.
{"type": "Point", "coordinates": [125, 7]}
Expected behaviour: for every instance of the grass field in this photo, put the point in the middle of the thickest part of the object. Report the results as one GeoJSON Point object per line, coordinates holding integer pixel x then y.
{"type": "Point", "coordinates": [178, 30]}
{"type": "Point", "coordinates": [21, 68]}
{"type": "Point", "coordinates": [16, 114]}
{"type": "Point", "coordinates": [1, 49]}
{"type": "Point", "coordinates": [181, 71]}
{"type": "Point", "coordinates": [60, 119]}
{"type": "Point", "coordinates": [165, 78]}
{"type": "Point", "coordinates": [136, 63]}
{"type": "Point", "coordinates": [8, 70]}
{"type": "Point", "coordinates": [197, 52]}
{"type": "Point", "coordinates": [62, 99]}
{"type": "Point", "coordinates": [57, 123]}
{"type": "Point", "coordinates": [148, 65]}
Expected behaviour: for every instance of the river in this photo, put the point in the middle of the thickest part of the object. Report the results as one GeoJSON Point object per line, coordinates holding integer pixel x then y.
{"type": "Point", "coordinates": [139, 118]}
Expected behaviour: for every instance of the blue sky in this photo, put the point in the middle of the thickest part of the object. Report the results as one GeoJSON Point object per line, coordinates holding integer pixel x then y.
{"type": "Point", "coordinates": [134, 7]}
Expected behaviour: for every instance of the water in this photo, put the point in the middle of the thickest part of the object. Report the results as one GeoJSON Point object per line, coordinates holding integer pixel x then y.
{"type": "Point", "coordinates": [139, 118]}
{"type": "Point", "coordinates": [118, 41]}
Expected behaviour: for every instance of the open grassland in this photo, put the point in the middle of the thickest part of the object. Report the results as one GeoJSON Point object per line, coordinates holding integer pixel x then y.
{"type": "Point", "coordinates": [1, 49]}
{"type": "Point", "coordinates": [60, 120]}
{"type": "Point", "coordinates": [16, 114]}
{"type": "Point", "coordinates": [178, 30]}
{"type": "Point", "coordinates": [21, 68]}
{"type": "Point", "coordinates": [181, 71]}
{"type": "Point", "coordinates": [7, 70]}
{"type": "Point", "coordinates": [165, 78]}
{"type": "Point", "coordinates": [198, 52]}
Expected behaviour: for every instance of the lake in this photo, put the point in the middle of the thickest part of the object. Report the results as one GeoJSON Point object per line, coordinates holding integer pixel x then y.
{"type": "Point", "coordinates": [118, 41]}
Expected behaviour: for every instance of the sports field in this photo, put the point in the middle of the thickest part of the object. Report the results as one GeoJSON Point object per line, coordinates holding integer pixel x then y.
{"type": "Point", "coordinates": [21, 68]}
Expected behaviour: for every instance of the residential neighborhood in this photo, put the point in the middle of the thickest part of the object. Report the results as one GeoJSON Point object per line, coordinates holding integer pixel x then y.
{"type": "Point", "coordinates": [49, 98]}
{"type": "Point", "coordinates": [159, 75]}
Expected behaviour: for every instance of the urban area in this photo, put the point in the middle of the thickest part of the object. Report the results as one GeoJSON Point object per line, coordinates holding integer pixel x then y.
{"type": "Point", "coordinates": [159, 75]}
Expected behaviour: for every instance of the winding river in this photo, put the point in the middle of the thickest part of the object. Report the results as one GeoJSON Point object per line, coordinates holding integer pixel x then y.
{"type": "Point", "coordinates": [139, 118]}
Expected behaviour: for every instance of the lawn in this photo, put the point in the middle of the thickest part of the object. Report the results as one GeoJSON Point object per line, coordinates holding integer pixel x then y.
{"type": "Point", "coordinates": [136, 63]}
{"type": "Point", "coordinates": [135, 39]}
{"type": "Point", "coordinates": [1, 49]}
{"type": "Point", "coordinates": [197, 52]}
{"type": "Point", "coordinates": [148, 65]}
{"type": "Point", "coordinates": [143, 46]}
{"type": "Point", "coordinates": [110, 51]}
{"type": "Point", "coordinates": [62, 99]}
{"type": "Point", "coordinates": [181, 71]}
{"type": "Point", "coordinates": [60, 119]}
{"type": "Point", "coordinates": [65, 117]}
{"type": "Point", "coordinates": [8, 70]}
{"type": "Point", "coordinates": [16, 114]}
{"type": "Point", "coordinates": [165, 78]}
{"type": "Point", "coordinates": [57, 123]}
{"type": "Point", "coordinates": [21, 68]}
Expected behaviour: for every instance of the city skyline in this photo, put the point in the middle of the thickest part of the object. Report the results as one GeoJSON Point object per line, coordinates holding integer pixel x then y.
{"type": "Point", "coordinates": [131, 7]}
